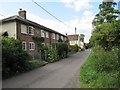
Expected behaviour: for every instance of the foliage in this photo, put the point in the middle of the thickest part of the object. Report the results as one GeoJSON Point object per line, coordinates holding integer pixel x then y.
{"type": "Point", "coordinates": [14, 59]}
{"type": "Point", "coordinates": [74, 48]}
{"type": "Point", "coordinates": [38, 40]}
{"type": "Point", "coordinates": [62, 50]}
{"type": "Point", "coordinates": [52, 53]}
{"type": "Point", "coordinates": [44, 49]}
{"type": "Point", "coordinates": [87, 45]}
{"type": "Point", "coordinates": [60, 40]}
{"type": "Point", "coordinates": [107, 13]}
{"type": "Point", "coordinates": [101, 69]}
{"type": "Point", "coordinates": [57, 51]}
{"type": "Point", "coordinates": [107, 29]}
{"type": "Point", "coordinates": [37, 63]}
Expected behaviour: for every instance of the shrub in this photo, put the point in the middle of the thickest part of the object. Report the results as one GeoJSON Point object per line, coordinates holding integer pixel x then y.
{"type": "Point", "coordinates": [44, 51]}
{"type": "Point", "coordinates": [37, 63]}
{"type": "Point", "coordinates": [74, 48]}
{"type": "Point", "coordinates": [14, 59]}
{"type": "Point", "coordinates": [52, 53]}
{"type": "Point", "coordinates": [57, 51]}
{"type": "Point", "coordinates": [62, 50]}
{"type": "Point", "coordinates": [106, 60]}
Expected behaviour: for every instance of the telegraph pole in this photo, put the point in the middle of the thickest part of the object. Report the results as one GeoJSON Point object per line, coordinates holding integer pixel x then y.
{"type": "Point", "coordinates": [75, 34]}
{"type": "Point", "coordinates": [75, 30]}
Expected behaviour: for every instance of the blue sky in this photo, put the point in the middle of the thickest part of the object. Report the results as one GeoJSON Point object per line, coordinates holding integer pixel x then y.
{"type": "Point", "coordinates": [74, 13]}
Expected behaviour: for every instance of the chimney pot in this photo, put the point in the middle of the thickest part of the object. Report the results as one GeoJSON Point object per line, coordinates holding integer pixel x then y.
{"type": "Point", "coordinates": [22, 13]}
{"type": "Point", "coordinates": [20, 9]}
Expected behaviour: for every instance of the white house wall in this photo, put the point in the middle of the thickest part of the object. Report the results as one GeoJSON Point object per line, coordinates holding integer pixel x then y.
{"type": "Point", "coordinates": [81, 44]}
{"type": "Point", "coordinates": [10, 28]}
{"type": "Point", "coordinates": [75, 42]}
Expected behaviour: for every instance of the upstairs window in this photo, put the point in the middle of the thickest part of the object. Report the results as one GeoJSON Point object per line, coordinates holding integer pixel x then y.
{"type": "Point", "coordinates": [62, 37]}
{"type": "Point", "coordinates": [57, 37]}
{"type": "Point", "coordinates": [31, 46]}
{"type": "Point", "coordinates": [30, 30]}
{"type": "Point", "coordinates": [53, 35]}
{"type": "Point", "coordinates": [47, 34]}
{"type": "Point", "coordinates": [42, 33]}
{"type": "Point", "coordinates": [23, 29]}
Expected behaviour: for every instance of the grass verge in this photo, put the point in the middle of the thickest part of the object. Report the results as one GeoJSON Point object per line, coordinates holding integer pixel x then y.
{"type": "Point", "coordinates": [101, 70]}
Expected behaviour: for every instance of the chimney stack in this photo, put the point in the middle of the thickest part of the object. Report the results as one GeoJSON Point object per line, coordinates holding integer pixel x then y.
{"type": "Point", "coordinates": [22, 13]}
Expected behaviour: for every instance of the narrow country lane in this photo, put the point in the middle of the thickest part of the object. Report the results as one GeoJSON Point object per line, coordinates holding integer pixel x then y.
{"type": "Point", "coordinates": [61, 74]}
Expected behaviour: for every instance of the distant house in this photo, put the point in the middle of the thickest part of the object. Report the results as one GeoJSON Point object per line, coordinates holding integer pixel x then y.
{"type": "Point", "coordinates": [76, 39]}
{"type": "Point", "coordinates": [23, 29]}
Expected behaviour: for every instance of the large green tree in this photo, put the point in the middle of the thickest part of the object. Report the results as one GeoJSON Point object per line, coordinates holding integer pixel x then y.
{"type": "Point", "coordinates": [106, 31]}
{"type": "Point", "coordinates": [107, 12]}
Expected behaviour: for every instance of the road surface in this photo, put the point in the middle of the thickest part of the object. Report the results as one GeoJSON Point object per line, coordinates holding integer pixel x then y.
{"type": "Point", "coordinates": [61, 74]}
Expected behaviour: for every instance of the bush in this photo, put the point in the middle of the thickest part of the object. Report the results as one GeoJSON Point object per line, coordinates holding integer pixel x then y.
{"type": "Point", "coordinates": [106, 60]}
{"type": "Point", "coordinates": [52, 54]}
{"type": "Point", "coordinates": [101, 70]}
{"type": "Point", "coordinates": [14, 59]}
{"type": "Point", "coordinates": [37, 63]}
{"type": "Point", "coordinates": [57, 51]}
{"type": "Point", "coordinates": [62, 50]}
{"type": "Point", "coordinates": [74, 48]}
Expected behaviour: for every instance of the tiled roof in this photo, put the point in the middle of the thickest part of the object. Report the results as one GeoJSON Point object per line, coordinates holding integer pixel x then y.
{"type": "Point", "coordinates": [73, 37]}
{"type": "Point", "coordinates": [18, 18]}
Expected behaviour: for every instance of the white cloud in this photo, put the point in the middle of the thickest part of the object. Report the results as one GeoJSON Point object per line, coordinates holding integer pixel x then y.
{"type": "Point", "coordinates": [77, 4]}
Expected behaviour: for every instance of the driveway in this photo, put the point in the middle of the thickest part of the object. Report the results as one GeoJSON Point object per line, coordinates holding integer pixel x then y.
{"type": "Point", "coordinates": [61, 74]}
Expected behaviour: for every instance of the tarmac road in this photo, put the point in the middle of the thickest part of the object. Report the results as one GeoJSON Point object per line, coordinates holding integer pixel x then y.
{"type": "Point", "coordinates": [61, 74]}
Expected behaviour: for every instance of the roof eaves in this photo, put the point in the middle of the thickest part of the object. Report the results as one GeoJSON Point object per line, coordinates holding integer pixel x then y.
{"type": "Point", "coordinates": [16, 17]}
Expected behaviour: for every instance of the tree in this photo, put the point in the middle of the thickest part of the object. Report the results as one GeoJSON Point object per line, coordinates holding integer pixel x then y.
{"type": "Point", "coordinates": [106, 30]}
{"type": "Point", "coordinates": [107, 13]}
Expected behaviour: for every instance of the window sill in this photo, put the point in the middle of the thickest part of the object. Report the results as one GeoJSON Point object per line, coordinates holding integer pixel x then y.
{"type": "Point", "coordinates": [31, 49]}
{"type": "Point", "coordinates": [24, 33]}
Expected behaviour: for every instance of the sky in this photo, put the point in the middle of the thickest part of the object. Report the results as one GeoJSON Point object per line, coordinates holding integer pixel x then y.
{"type": "Point", "coordinates": [73, 13]}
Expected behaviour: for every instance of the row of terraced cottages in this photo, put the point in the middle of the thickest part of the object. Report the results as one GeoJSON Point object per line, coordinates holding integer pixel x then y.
{"type": "Point", "coordinates": [23, 29]}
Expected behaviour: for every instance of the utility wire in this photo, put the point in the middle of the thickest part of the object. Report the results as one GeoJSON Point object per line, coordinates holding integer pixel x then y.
{"type": "Point", "coordinates": [50, 14]}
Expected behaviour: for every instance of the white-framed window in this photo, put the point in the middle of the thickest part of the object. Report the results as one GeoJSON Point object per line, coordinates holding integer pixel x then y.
{"type": "Point", "coordinates": [24, 46]}
{"type": "Point", "coordinates": [31, 46]}
{"type": "Point", "coordinates": [23, 29]}
{"type": "Point", "coordinates": [62, 37]}
{"type": "Point", "coordinates": [42, 33]}
{"type": "Point", "coordinates": [53, 35]}
{"type": "Point", "coordinates": [57, 37]}
{"type": "Point", "coordinates": [65, 38]}
{"type": "Point", "coordinates": [73, 42]}
{"type": "Point", "coordinates": [47, 34]}
{"type": "Point", "coordinates": [30, 30]}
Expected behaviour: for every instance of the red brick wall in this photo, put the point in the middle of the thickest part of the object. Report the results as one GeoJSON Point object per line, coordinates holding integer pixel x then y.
{"type": "Point", "coordinates": [28, 38]}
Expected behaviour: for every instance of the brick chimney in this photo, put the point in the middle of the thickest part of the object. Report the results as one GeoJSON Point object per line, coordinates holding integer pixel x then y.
{"type": "Point", "coordinates": [22, 13]}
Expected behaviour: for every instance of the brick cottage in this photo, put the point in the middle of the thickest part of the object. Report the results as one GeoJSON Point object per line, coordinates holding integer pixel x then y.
{"type": "Point", "coordinates": [19, 27]}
